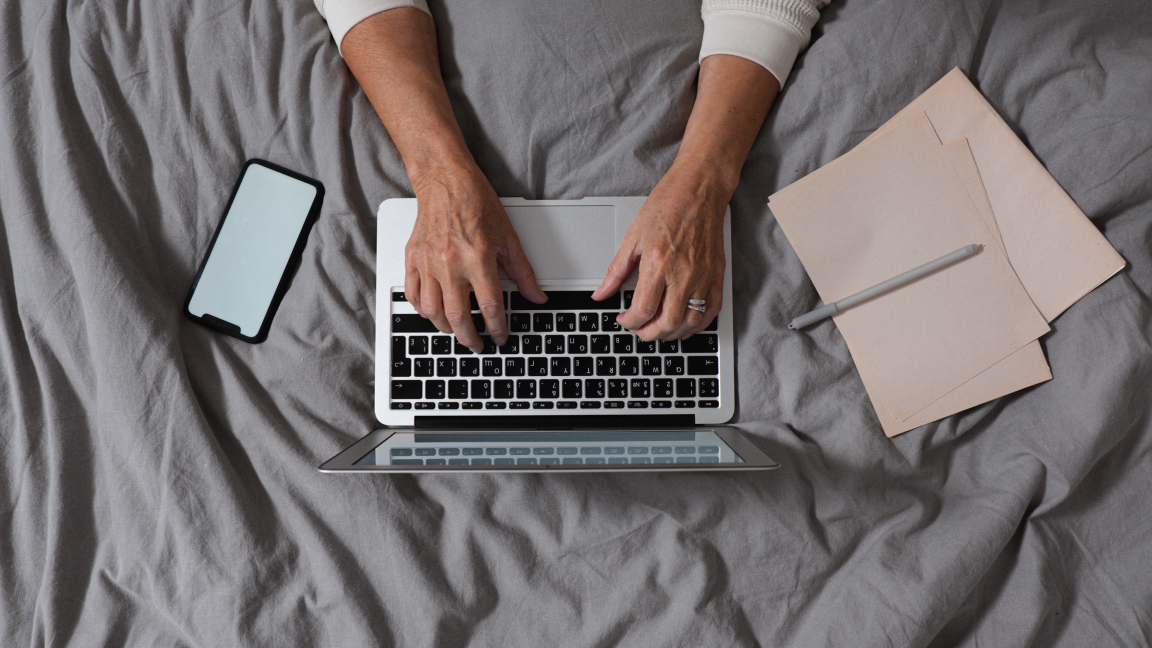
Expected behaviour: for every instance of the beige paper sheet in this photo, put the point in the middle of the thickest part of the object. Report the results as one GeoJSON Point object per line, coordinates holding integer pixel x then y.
{"type": "Point", "coordinates": [883, 209]}
{"type": "Point", "coordinates": [1056, 251]}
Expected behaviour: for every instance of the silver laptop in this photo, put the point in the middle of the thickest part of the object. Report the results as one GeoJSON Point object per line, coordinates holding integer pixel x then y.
{"type": "Point", "coordinates": [570, 390]}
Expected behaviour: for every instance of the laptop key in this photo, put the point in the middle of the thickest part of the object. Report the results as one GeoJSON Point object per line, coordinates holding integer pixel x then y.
{"type": "Point", "coordinates": [489, 345]}
{"type": "Point", "coordinates": [661, 450]}
{"type": "Point", "coordinates": [622, 344]}
{"type": "Point", "coordinates": [441, 344]}
{"type": "Point", "coordinates": [637, 404]}
{"type": "Point", "coordinates": [525, 389]}
{"type": "Point", "coordinates": [683, 404]}
{"type": "Point", "coordinates": [481, 462]}
{"type": "Point", "coordinates": [650, 365]}
{"type": "Point", "coordinates": [700, 343]}
{"type": "Point", "coordinates": [703, 365]}
{"type": "Point", "coordinates": [630, 366]}
{"type": "Point", "coordinates": [492, 366]}
{"type": "Point", "coordinates": [645, 347]}
{"type": "Point", "coordinates": [565, 322]}
{"type": "Point", "coordinates": [712, 325]}
{"type": "Point", "coordinates": [401, 368]}
{"type": "Point", "coordinates": [435, 462]}
{"type": "Point", "coordinates": [662, 388]}
{"type": "Point", "coordinates": [458, 389]}
{"type": "Point", "coordinates": [425, 452]}
{"type": "Point", "coordinates": [589, 405]}
{"type": "Point", "coordinates": [402, 405]}
{"type": "Point", "coordinates": [519, 405]}
{"type": "Point", "coordinates": [566, 405]}
{"type": "Point", "coordinates": [606, 366]}
{"type": "Point", "coordinates": [709, 387]}
{"type": "Point", "coordinates": [503, 462]}
{"type": "Point", "coordinates": [589, 322]}
{"type": "Point", "coordinates": [495, 451]}
{"type": "Point", "coordinates": [594, 388]}
{"type": "Point", "coordinates": [434, 389]}
{"type": "Point", "coordinates": [502, 389]}
{"type": "Point", "coordinates": [613, 404]}
{"type": "Point", "coordinates": [661, 404]}
{"type": "Point", "coordinates": [569, 450]}
{"type": "Point", "coordinates": [542, 405]}
{"type": "Point", "coordinates": [641, 460]}
{"type": "Point", "coordinates": [618, 460]}
{"type": "Point", "coordinates": [521, 322]}
{"type": "Point", "coordinates": [608, 323]}
{"type": "Point", "coordinates": [519, 451]}
{"type": "Point", "coordinates": [446, 367]}
{"type": "Point", "coordinates": [593, 460]}
{"type": "Point", "coordinates": [533, 344]}
{"type": "Point", "coordinates": [561, 366]}
{"type": "Point", "coordinates": [448, 452]}
{"type": "Point", "coordinates": [398, 347]}
{"type": "Point", "coordinates": [554, 344]}
{"type": "Point", "coordinates": [550, 388]}
{"type": "Point", "coordinates": [412, 324]}
{"type": "Point", "coordinates": [538, 366]}
{"type": "Point", "coordinates": [668, 346]}
{"type": "Point", "coordinates": [709, 404]}
{"type": "Point", "coordinates": [685, 387]}
{"type": "Point", "coordinates": [425, 406]}
{"type": "Point", "coordinates": [545, 461]}
{"type": "Point", "coordinates": [573, 460]}
{"type": "Point", "coordinates": [685, 450]}
{"type": "Point", "coordinates": [708, 449]}
{"type": "Point", "coordinates": [674, 366]}
{"type": "Point", "coordinates": [460, 349]}
{"type": "Point", "coordinates": [583, 366]}
{"type": "Point", "coordinates": [481, 389]}
{"type": "Point", "coordinates": [407, 462]}
{"type": "Point", "coordinates": [618, 388]}
{"type": "Point", "coordinates": [542, 322]}
{"type": "Point", "coordinates": [566, 300]}
{"type": "Point", "coordinates": [495, 405]}
{"type": "Point", "coordinates": [423, 367]}
{"type": "Point", "coordinates": [417, 345]}
{"type": "Point", "coordinates": [543, 451]}
{"type": "Point", "coordinates": [406, 389]}
{"type": "Point", "coordinates": [640, 388]}
{"type": "Point", "coordinates": [470, 367]}
{"type": "Point", "coordinates": [577, 344]}
{"type": "Point", "coordinates": [601, 344]}
{"type": "Point", "coordinates": [449, 405]}
{"type": "Point", "coordinates": [634, 450]}
{"type": "Point", "coordinates": [513, 366]}
{"type": "Point", "coordinates": [572, 389]}
{"type": "Point", "coordinates": [628, 299]}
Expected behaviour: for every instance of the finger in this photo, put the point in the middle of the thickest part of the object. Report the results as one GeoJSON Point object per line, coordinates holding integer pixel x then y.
{"type": "Point", "coordinates": [618, 271]}
{"type": "Point", "coordinates": [520, 271]}
{"type": "Point", "coordinates": [673, 311]}
{"type": "Point", "coordinates": [646, 301]}
{"type": "Point", "coordinates": [490, 298]}
{"type": "Point", "coordinates": [412, 286]}
{"type": "Point", "coordinates": [712, 308]}
{"type": "Point", "coordinates": [432, 304]}
{"type": "Point", "coordinates": [692, 317]}
{"type": "Point", "coordinates": [458, 312]}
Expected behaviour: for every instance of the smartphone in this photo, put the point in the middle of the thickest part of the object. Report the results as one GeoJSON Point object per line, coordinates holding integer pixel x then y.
{"type": "Point", "coordinates": [255, 251]}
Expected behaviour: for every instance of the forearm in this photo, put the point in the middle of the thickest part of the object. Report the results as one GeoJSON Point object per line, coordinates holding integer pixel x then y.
{"type": "Point", "coordinates": [393, 56]}
{"type": "Point", "coordinates": [732, 100]}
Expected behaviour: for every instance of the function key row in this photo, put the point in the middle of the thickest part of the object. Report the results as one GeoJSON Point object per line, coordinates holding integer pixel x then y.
{"type": "Point", "coordinates": [527, 323]}
{"type": "Point", "coordinates": [557, 300]}
{"type": "Point", "coordinates": [548, 388]}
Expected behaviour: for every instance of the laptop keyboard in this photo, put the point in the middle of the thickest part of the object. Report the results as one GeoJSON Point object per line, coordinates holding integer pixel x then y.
{"type": "Point", "coordinates": [568, 353]}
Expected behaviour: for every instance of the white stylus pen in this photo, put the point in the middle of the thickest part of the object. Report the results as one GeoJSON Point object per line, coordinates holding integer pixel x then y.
{"type": "Point", "coordinates": [884, 286]}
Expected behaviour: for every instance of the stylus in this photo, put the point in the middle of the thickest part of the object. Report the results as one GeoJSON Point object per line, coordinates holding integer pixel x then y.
{"type": "Point", "coordinates": [884, 286]}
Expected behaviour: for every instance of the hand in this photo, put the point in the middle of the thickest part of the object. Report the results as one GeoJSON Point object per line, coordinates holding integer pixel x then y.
{"type": "Point", "coordinates": [678, 241]}
{"type": "Point", "coordinates": [461, 233]}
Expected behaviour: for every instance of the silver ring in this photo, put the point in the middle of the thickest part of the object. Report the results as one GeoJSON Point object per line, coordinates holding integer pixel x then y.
{"type": "Point", "coordinates": [697, 302]}
{"type": "Point", "coordinates": [698, 309]}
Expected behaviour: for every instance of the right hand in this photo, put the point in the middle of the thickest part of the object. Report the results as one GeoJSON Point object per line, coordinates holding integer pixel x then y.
{"type": "Point", "coordinates": [461, 233]}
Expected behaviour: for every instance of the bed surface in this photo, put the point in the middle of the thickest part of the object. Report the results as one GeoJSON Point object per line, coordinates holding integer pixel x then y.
{"type": "Point", "coordinates": [158, 481]}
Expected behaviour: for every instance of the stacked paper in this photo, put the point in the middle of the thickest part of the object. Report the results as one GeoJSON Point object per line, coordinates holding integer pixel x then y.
{"type": "Point", "coordinates": [944, 173]}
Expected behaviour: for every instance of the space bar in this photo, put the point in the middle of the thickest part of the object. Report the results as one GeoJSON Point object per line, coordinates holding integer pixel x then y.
{"type": "Point", "coordinates": [560, 300]}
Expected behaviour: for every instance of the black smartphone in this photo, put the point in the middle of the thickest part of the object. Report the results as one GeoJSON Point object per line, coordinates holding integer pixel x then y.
{"type": "Point", "coordinates": [254, 251]}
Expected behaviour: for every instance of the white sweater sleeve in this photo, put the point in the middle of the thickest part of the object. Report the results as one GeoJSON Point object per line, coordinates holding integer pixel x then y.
{"type": "Point", "coordinates": [769, 32]}
{"type": "Point", "coordinates": [343, 15]}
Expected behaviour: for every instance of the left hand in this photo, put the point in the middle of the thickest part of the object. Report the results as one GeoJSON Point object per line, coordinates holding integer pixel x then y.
{"type": "Point", "coordinates": [678, 241]}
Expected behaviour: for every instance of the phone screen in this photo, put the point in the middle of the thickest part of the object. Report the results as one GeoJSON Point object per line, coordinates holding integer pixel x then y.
{"type": "Point", "coordinates": [253, 247]}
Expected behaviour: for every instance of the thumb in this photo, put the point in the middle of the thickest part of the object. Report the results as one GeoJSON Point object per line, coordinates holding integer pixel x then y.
{"type": "Point", "coordinates": [618, 271]}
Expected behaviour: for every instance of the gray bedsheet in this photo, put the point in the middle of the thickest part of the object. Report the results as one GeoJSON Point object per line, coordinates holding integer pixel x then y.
{"type": "Point", "coordinates": [158, 484]}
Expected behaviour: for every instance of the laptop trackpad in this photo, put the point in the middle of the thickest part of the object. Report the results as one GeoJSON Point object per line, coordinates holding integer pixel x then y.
{"type": "Point", "coordinates": [566, 242]}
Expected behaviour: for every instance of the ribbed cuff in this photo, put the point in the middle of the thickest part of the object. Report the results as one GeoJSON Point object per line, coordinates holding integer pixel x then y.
{"type": "Point", "coordinates": [342, 15]}
{"type": "Point", "coordinates": [753, 37]}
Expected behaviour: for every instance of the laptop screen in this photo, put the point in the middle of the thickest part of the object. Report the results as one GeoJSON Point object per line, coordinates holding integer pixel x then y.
{"type": "Point", "coordinates": [561, 447]}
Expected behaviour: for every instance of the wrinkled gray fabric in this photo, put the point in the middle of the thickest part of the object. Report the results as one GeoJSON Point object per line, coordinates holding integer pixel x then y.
{"type": "Point", "coordinates": [159, 482]}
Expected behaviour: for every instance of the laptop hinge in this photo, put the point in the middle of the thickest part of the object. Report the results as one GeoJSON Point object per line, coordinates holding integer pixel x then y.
{"type": "Point", "coordinates": [556, 422]}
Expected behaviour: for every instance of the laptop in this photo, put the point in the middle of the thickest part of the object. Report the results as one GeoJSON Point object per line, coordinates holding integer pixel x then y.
{"type": "Point", "coordinates": [570, 390]}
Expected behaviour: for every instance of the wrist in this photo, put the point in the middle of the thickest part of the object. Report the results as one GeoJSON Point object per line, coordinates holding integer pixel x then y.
{"type": "Point", "coordinates": [715, 179]}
